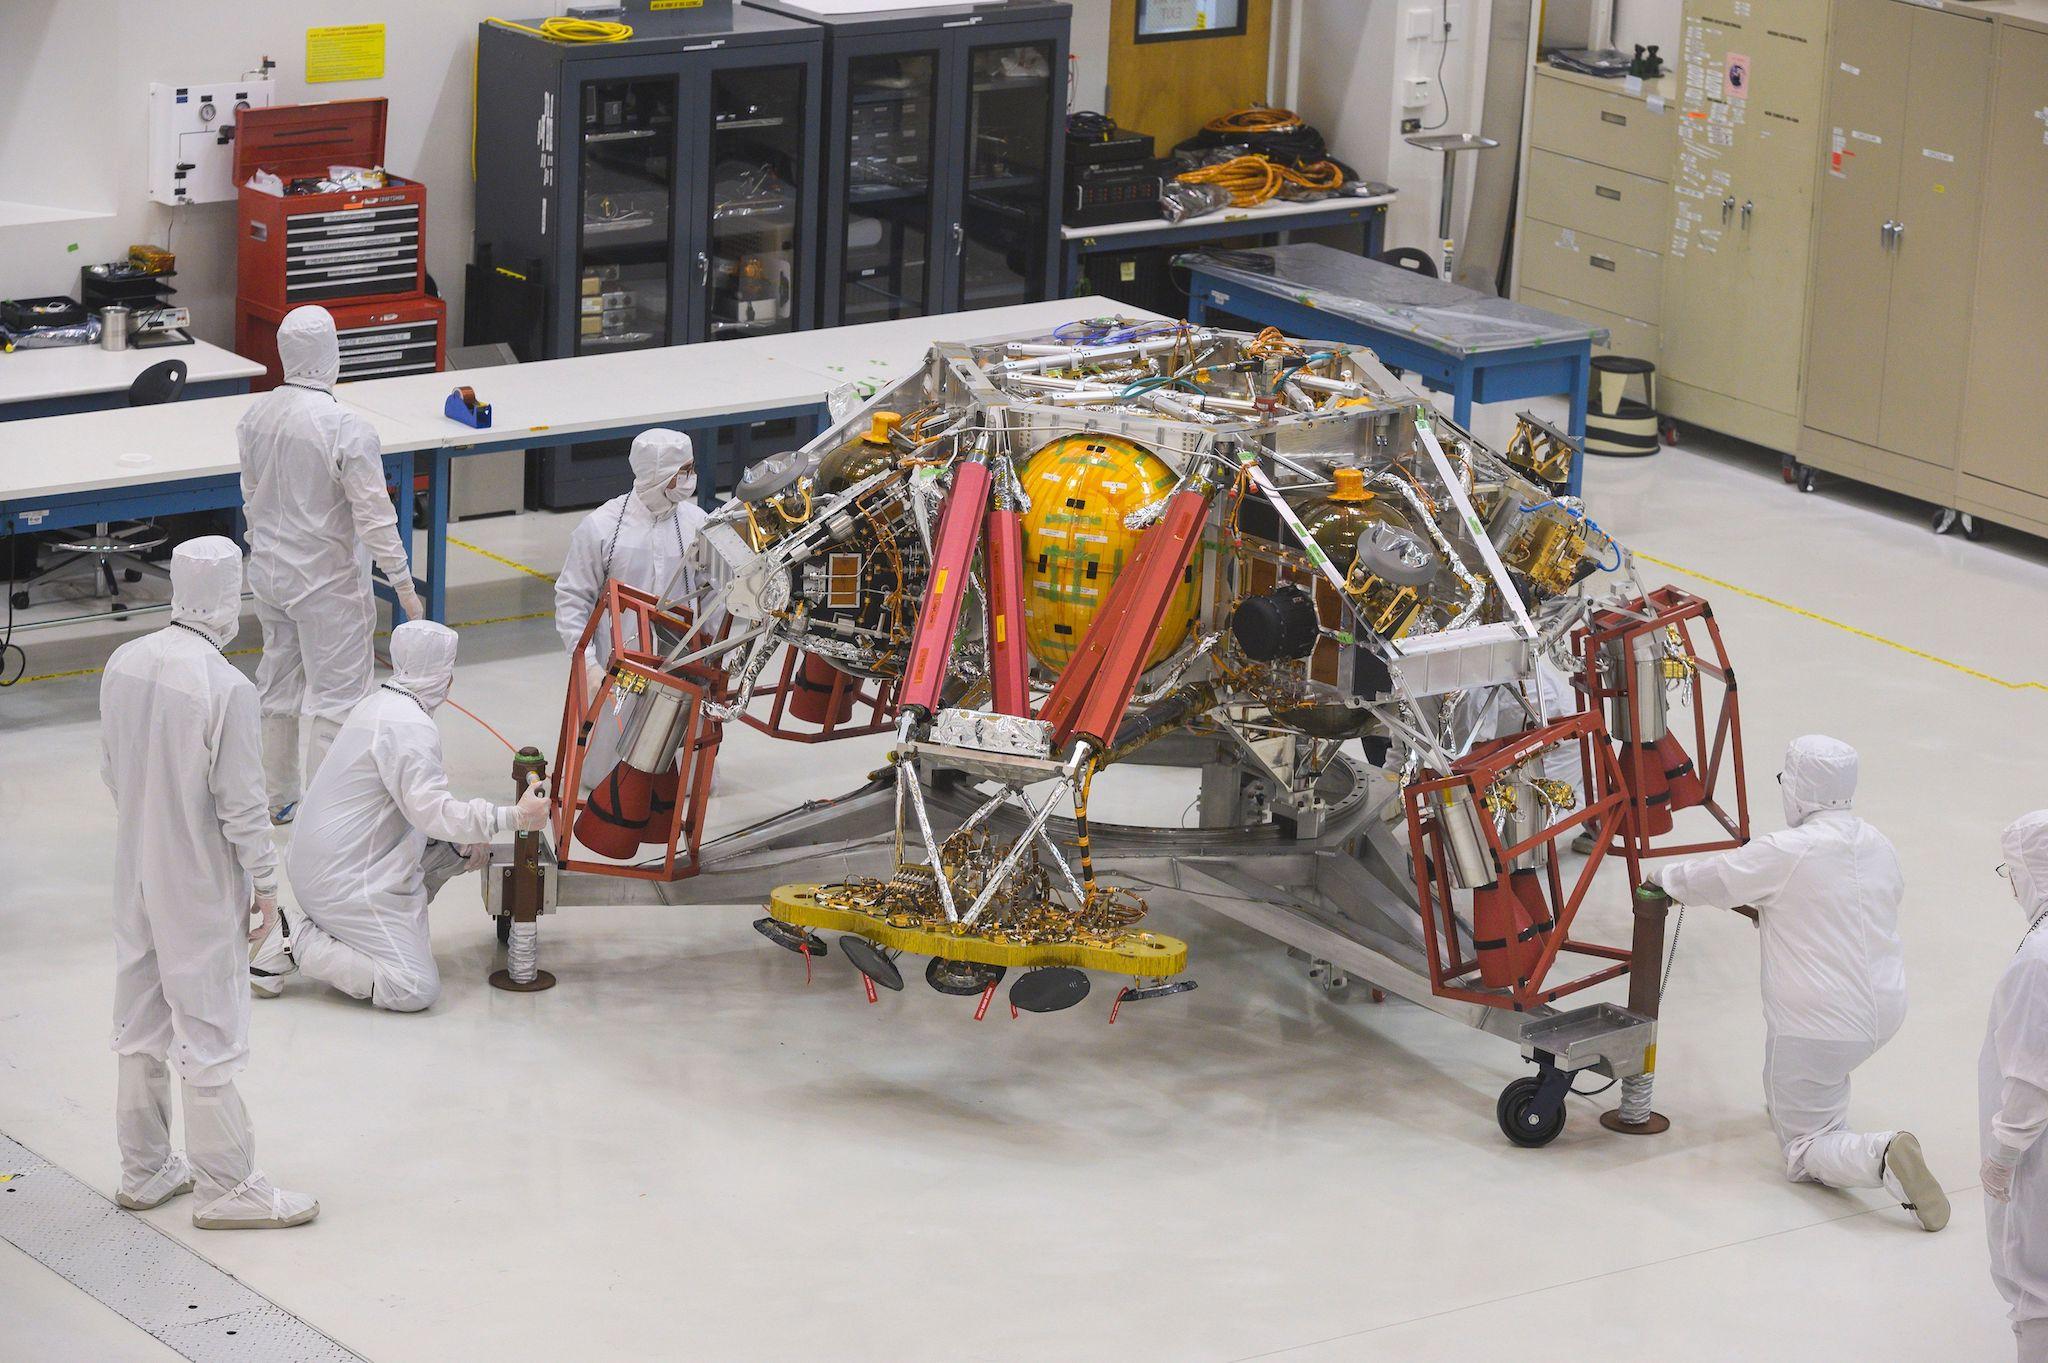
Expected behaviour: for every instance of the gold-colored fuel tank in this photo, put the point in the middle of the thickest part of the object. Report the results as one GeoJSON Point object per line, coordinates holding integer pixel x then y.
{"type": "Point", "coordinates": [1075, 542]}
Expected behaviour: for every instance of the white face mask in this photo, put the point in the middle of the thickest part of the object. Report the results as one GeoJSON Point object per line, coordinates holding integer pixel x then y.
{"type": "Point", "coordinates": [683, 487]}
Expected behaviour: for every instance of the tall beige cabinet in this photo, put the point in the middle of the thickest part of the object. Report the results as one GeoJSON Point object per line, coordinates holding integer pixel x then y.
{"type": "Point", "coordinates": [1598, 202]}
{"type": "Point", "coordinates": [1736, 266]}
{"type": "Point", "coordinates": [2003, 473]}
{"type": "Point", "coordinates": [1895, 265]}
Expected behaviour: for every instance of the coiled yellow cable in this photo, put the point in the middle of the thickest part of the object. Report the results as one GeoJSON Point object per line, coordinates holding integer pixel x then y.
{"type": "Point", "coordinates": [565, 29]}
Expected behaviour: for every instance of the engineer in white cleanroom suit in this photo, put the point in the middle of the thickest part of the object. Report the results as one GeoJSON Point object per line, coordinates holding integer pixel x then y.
{"type": "Point", "coordinates": [1826, 891]}
{"type": "Point", "coordinates": [2012, 1100]}
{"type": "Point", "coordinates": [378, 835]}
{"type": "Point", "coordinates": [313, 492]}
{"type": "Point", "coordinates": [192, 856]}
{"type": "Point", "coordinates": [641, 538]}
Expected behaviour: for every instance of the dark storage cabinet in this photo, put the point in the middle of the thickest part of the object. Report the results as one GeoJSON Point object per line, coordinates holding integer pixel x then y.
{"type": "Point", "coordinates": [655, 191]}
{"type": "Point", "coordinates": [942, 147]}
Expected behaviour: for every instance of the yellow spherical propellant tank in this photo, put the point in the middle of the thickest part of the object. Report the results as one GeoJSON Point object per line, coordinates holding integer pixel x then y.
{"type": "Point", "coordinates": [1075, 543]}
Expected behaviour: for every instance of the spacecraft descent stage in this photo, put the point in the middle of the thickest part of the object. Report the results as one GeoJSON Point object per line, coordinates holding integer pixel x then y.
{"type": "Point", "coordinates": [1264, 559]}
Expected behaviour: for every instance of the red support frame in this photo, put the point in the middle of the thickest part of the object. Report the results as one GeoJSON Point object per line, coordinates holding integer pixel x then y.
{"type": "Point", "coordinates": [1673, 608]}
{"type": "Point", "coordinates": [1450, 965]}
{"type": "Point", "coordinates": [696, 753]}
{"type": "Point", "coordinates": [877, 696]}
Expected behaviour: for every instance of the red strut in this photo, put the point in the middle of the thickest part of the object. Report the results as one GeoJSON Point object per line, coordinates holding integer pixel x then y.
{"type": "Point", "coordinates": [924, 676]}
{"type": "Point", "coordinates": [1009, 661]}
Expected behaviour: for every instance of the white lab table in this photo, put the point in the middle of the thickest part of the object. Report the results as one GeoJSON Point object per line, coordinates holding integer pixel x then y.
{"type": "Point", "coordinates": [876, 353]}
{"type": "Point", "coordinates": [129, 463]}
{"type": "Point", "coordinates": [81, 378]}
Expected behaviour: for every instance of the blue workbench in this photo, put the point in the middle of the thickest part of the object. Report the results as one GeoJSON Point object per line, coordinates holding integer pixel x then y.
{"type": "Point", "coordinates": [1475, 347]}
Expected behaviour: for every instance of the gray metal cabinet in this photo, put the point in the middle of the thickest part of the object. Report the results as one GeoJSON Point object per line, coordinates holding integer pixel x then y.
{"type": "Point", "coordinates": [655, 191]}
{"type": "Point", "coordinates": [943, 137]}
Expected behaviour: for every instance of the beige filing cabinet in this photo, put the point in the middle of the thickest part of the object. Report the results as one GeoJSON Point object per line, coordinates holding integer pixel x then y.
{"type": "Point", "coordinates": [2003, 474]}
{"type": "Point", "coordinates": [1895, 255]}
{"type": "Point", "coordinates": [1736, 264]}
{"type": "Point", "coordinates": [1595, 210]}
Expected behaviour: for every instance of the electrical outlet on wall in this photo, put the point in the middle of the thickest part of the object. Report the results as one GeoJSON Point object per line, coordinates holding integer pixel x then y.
{"type": "Point", "coordinates": [1410, 125]}
{"type": "Point", "coordinates": [1415, 92]}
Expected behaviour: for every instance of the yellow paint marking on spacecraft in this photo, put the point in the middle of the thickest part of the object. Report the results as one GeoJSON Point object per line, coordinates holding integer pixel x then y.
{"type": "Point", "coordinates": [1845, 627]}
{"type": "Point", "coordinates": [1113, 953]}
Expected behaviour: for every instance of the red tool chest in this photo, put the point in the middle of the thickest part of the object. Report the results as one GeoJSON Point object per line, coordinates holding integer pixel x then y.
{"type": "Point", "coordinates": [361, 245]}
{"type": "Point", "coordinates": [378, 340]}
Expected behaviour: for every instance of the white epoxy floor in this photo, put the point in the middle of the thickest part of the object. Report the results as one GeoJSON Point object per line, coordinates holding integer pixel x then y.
{"type": "Point", "coordinates": [684, 1153]}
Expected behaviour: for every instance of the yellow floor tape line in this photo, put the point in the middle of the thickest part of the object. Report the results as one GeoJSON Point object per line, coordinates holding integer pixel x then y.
{"type": "Point", "coordinates": [250, 652]}
{"type": "Point", "coordinates": [1844, 626]}
{"type": "Point", "coordinates": [501, 559]}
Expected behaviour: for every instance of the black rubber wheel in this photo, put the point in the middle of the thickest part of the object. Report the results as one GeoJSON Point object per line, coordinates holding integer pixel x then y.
{"type": "Point", "coordinates": [20, 600]}
{"type": "Point", "coordinates": [504, 928]}
{"type": "Point", "coordinates": [1805, 478]}
{"type": "Point", "coordinates": [1935, 523]}
{"type": "Point", "coordinates": [1516, 1124]}
{"type": "Point", "coordinates": [1973, 530]}
{"type": "Point", "coordinates": [120, 608]}
{"type": "Point", "coordinates": [131, 575]}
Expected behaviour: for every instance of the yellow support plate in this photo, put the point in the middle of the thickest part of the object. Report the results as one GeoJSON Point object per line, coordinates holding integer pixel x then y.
{"type": "Point", "coordinates": [1114, 953]}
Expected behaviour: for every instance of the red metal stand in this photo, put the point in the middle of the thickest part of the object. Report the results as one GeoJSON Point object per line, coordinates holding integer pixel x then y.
{"type": "Point", "coordinates": [1451, 965]}
{"type": "Point", "coordinates": [1638, 770]}
{"type": "Point", "coordinates": [877, 698]}
{"type": "Point", "coordinates": [696, 753]}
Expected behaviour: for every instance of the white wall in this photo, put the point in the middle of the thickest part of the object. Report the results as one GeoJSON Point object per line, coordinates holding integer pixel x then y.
{"type": "Point", "coordinates": [74, 84]}
{"type": "Point", "coordinates": [1353, 65]}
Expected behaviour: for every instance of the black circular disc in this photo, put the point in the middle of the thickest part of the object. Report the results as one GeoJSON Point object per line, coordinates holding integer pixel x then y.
{"type": "Point", "coordinates": [868, 959]}
{"type": "Point", "coordinates": [1050, 989]}
{"type": "Point", "coordinates": [1158, 991]}
{"type": "Point", "coordinates": [965, 978]}
{"type": "Point", "coordinates": [788, 937]}
{"type": "Point", "coordinates": [1516, 1120]}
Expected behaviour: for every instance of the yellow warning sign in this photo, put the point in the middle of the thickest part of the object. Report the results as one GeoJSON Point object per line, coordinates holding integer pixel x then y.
{"type": "Point", "coordinates": [676, 4]}
{"type": "Point", "coordinates": [350, 52]}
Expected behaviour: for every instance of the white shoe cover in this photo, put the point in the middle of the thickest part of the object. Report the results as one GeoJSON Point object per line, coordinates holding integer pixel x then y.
{"type": "Point", "coordinates": [221, 1143]}
{"type": "Point", "coordinates": [256, 1204]}
{"type": "Point", "coordinates": [1907, 1177]}
{"type": "Point", "coordinates": [160, 1187]}
{"type": "Point", "coordinates": [270, 960]}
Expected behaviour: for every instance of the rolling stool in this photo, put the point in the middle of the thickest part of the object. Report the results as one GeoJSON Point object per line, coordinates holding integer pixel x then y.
{"type": "Point", "coordinates": [120, 545]}
{"type": "Point", "coordinates": [1617, 425]}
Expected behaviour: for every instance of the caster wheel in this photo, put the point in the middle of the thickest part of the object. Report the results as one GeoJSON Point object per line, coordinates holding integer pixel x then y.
{"type": "Point", "coordinates": [120, 608]}
{"type": "Point", "coordinates": [19, 601]}
{"type": "Point", "coordinates": [1517, 1123]}
{"type": "Point", "coordinates": [1331, 979]}
{"type": "Point", "coordinates": [1972, 531]}
{"type": "Point", "coordinates": [1788, 469]}
{"type": "Point", "coordinates": [1669, 430]}
{"type": "Point", "coordinates": [131, 575]}
{"type": "Point", "coordinates": [504, 929]}
{"type": "Point", "coordinates": [1944, 521]}
{"type": "Point", "coordinates": [1805, 479]}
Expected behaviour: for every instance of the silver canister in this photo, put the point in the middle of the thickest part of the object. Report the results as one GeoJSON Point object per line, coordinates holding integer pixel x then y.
{"type": "Point", "coordinates": [116, 325]}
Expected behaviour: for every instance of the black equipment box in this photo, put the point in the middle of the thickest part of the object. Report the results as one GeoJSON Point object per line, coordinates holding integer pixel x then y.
{"type": "Point", "coordinates": [1126, 191]}
{"type": "Point", "coordinates": [1118, 144]}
